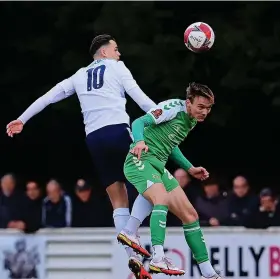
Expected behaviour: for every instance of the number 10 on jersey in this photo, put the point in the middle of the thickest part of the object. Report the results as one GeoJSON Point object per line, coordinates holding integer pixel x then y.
{"type": "Point", "coordinates": [95, 77]}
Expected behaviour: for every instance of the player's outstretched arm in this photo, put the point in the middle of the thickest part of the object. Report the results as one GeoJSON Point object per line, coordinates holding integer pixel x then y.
{"type": "Point", "coordinates": [61, 91]}
{"type": "Point", "coordinates": [178, 157]}
{"type": "Point", "coordinates": [133, 89]}
{"type": "Point", "coordinates": [141, 99]}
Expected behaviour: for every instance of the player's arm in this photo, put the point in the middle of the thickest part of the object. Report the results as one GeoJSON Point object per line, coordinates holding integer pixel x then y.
{"type": "Point", "coordinates": [139, 125]}
{"type": "Point", "coordinates": [178, 157]}
{"type": "Point", "coordinates": [133, 89]}
{"type": "Point", "coordinates": [59, 92]}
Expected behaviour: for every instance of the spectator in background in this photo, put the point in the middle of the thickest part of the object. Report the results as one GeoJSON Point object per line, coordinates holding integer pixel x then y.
{"type": "Point", "coordinates": [12, 211]}
{"type": "Point", "coordinates": [212, 207]}
{"type": "Point", "coordinates": [86, 208]}
{"type": "Point", "coordinates": [241, 201]}
{"type": "Point", "coordinates": [33, 206]}
{"type": "Point", "coordinates": [267, 214]}
{"type": "Point", "coordinates": [57, 207]}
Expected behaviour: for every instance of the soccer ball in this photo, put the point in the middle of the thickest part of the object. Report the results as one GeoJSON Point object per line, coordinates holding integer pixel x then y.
{"type": "Point", "coordinates": [199, 37]}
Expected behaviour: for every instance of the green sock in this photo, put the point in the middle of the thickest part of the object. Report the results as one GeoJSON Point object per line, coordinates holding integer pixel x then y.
{"type": "Point", "coordinates": [195, 240]}
{"type": "Point", "coordinates": [158, 224]}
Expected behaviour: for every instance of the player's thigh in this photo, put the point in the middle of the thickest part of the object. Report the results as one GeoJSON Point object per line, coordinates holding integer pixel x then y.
{"type": "Point", "coordinates": [170, 182]}
{"type": "Point", "coordinates": [179, 205]}
{"type": "Point", "coordinates": [108, 147]}
{"type": "Point", "coordinates": [156, 194]}
{"type": "Point", "coordinates": [141, 173]}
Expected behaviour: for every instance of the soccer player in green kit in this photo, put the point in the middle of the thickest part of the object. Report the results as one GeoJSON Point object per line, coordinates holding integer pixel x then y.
{"type": "Point", "coordinates": [156, 138]}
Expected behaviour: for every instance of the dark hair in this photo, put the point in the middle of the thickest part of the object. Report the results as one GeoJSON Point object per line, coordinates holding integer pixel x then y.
{"type": "Point", "coordinates": [196, 89]}
{"type": "Point", "coordinates": [267, 192]}
{"type": "Point", "coordinates": [210, 181]}
{"type": "Point", "coordinates": [33, 181]}
{"type": "Point", "coordinates": [98, 42]}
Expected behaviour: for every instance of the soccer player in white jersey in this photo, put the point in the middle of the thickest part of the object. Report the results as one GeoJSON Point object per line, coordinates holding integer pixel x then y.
{"type": "Point", "coordinates": [101, 88]}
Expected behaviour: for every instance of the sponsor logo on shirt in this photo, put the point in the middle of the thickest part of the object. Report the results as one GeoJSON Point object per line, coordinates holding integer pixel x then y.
{"type": "Point", "coordinates": [157, 113]}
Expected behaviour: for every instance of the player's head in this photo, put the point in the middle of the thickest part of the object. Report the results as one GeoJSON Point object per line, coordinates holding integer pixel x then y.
{"type": "Point", "coordinates": [104, 46]}
{"type": "Point", "coordinates": [200, 100]}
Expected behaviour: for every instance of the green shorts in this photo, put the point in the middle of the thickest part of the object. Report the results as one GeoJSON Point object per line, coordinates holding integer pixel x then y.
{"type": "Point", "coordinates": [148, 171]}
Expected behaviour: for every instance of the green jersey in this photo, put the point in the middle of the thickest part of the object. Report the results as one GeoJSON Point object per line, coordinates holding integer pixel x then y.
{"type": "Point", "coordinates": [168, 125]}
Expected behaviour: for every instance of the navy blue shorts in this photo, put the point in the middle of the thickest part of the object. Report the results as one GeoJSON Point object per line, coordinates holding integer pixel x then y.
{"type": "Point", "coordinates": [108, 147]}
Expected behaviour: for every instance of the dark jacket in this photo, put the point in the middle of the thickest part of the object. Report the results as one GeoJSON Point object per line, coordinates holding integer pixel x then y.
{"type": "Point", "coordinates": [239, 208]}
{"type": "Point", "coordinates": [11, 208]}
{"type": "Point", "coordinates": [33, 216]}
{"type": "Point", "coordinates": [259, 219]}
{"type": "Point", "coordinates": [57, 215]}
{"type": "Point", "coordinates": [208, 208]}
{"type": "Point", "coordinates": [92, 213]}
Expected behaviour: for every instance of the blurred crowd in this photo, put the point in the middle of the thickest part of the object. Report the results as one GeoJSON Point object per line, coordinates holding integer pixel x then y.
{"type": "Point", "coordinates": [52, 207]}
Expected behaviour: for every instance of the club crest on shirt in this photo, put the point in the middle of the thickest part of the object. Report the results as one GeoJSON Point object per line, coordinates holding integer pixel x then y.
{"type": "Point", "coordinates": [157, 113]}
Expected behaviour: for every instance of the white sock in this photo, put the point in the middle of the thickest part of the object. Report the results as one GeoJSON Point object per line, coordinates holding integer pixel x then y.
{"type": "Point", "coordinates": [132, 225]}
{"type": "Point", "coordinates": [121, 216]}
{"type": "Point", "coordinates": [140, 210]}
{"type": "Point", "coordinates": [207, 269]}
{"type": "Point", "coordinates": [158, 252]}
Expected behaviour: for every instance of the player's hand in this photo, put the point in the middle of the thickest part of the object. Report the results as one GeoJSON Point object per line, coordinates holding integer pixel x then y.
{"type": "Point", "coordinates": [138, 148]}
{"type": "Point", "coordinates": [199, 173]}
{"type": "Point", "coordinates": [14, 127]}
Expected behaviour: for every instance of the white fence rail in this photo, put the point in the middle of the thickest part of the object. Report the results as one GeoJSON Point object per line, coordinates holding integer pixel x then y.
{"type": "Point", "coordinates": [95, 254]}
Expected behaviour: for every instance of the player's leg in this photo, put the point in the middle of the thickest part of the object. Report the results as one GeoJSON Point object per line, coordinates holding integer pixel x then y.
{"type": "Point", "coordinates": [142, 175]}
{"type": "Point", "coordinates": [121, 216]}
{"type": "Point", "coordinates": [159, 263]}
{"type": "Point", "coordinates": [158, 195]}
{"type": "Point", "coordinates": [108, 147]}
{"type": "Point", "coordinates": [147, 180]}
{"type": "Point", "coordinates": [180, 206]}
{"type": "Point", "coordinates": [141, 209]}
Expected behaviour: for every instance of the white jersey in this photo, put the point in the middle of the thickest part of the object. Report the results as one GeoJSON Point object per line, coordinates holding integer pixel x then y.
{"type": "Point", "coordinates": [101, 88]}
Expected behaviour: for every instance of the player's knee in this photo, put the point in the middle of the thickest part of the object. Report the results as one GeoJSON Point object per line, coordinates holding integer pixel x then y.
{"type": "Point", "coordinates": [162, 198]}
{"type": "Point", "coordinates": [157, 194]}
{"type": "Point", "coordinates": [189, 216]}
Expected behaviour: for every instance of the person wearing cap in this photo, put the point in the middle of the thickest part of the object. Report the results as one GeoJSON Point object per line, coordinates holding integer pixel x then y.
{"type": "Point", "coordinates": [85, 204]}
{"type": "Point", "coordinates": [267, 214]}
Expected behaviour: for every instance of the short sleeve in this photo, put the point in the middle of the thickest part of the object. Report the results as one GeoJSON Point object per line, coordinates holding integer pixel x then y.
{"type": "Point", "coordinates": [166, 111]}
